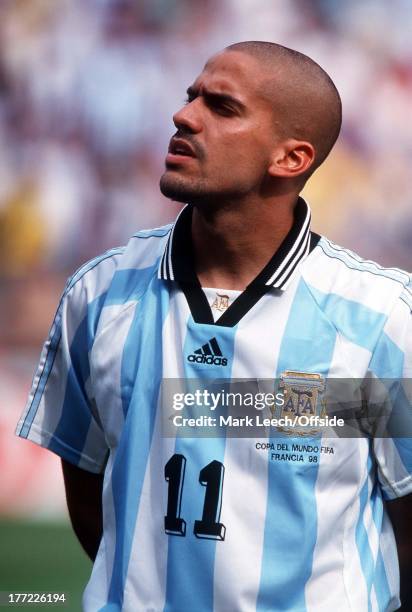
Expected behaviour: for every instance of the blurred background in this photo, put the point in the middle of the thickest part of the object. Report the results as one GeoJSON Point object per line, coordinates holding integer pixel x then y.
{"type": "Point", "coordinates": [87, 92]}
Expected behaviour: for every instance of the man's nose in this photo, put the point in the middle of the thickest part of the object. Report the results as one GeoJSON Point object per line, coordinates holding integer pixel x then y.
{"type": "Point", "coordinates": [188, 117]}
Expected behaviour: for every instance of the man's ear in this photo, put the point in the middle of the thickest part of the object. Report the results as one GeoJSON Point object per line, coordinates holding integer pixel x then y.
{"type": "Point", "coordinates": [292, 158]}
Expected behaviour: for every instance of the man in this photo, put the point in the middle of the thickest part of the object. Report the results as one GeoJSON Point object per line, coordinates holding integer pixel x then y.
{"type": "Point", "coordinates": [237, 288]}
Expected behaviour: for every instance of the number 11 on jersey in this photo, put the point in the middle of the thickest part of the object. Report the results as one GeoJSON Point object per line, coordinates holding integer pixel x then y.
{"type": "Point", "coordinates": [211, 477]}
{"type": "Point", "coordinates": [175, 475]}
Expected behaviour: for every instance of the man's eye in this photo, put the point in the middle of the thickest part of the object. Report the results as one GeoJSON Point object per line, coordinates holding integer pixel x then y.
{"type": "Point", "coordinates": [219, 106]}
{"type": "Point", "coordinates": [222, 109]}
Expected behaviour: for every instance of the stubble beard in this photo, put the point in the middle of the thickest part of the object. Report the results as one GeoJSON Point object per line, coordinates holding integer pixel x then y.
{"type": "Point", "coordinates": [198, 191]}
{"type": "Point", "coordinates": [181, 190]}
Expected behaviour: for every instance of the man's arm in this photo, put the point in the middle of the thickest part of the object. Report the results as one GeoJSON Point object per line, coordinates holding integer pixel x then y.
{"type": "Point", "coordinates": [84, 501]}
{"type": "Point", "coordinates": [400, 513]}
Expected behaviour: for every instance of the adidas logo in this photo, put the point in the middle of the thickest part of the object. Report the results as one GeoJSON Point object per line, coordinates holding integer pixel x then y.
{"type": "Point", "coordinates": [210, 354]}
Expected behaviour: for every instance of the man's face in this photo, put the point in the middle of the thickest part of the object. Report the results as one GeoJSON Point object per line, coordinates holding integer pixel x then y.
{"type": "Point", "coordinates": [225, 133]}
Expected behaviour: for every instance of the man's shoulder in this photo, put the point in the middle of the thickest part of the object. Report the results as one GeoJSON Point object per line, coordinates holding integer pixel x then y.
{"type": "Point", "coordinates": [140, 254]}
{"type": "Point", "coordinates": [120, 273]}
{"type": "Point", "coordinates": [337, 273]}
{"type": "Point", "coordinates": [155, 232]}
{"type": "Point", "coordinates": [107, 261]}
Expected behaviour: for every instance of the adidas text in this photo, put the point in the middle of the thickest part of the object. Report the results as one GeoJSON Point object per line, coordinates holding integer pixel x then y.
{"type": "Point", "coordinates": [208, 359]}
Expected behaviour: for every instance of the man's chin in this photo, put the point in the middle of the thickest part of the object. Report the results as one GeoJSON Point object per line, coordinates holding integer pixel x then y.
{"type": "Point", "coordinates": [174, 187]}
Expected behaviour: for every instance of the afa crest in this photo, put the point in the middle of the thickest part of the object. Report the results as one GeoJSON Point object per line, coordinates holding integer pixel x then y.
{"type": "Point", "coordinates": [221, 302]}
{"type": "Point", "coordinates": [302, 394]}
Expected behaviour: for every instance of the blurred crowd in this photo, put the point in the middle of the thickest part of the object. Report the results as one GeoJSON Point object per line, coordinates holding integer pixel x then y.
{"type": "Point", "coordinates": [87, 92]}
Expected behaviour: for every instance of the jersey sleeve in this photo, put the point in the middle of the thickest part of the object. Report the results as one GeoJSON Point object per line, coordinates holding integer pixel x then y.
{"type": "Point", "coordinates": [392, 364]}
{"type": "Point", "coordinates": [60, 414]}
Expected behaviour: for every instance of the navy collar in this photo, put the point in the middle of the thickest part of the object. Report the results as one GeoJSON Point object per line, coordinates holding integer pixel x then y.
{"type": "Point", "coordinates": [177, 262]}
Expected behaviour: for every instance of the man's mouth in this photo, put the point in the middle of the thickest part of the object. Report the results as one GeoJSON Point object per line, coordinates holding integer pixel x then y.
{"type": "Point", "coordinates": [178, 150]}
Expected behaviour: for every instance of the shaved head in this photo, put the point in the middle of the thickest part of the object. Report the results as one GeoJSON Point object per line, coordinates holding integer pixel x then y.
{"type": "Point", "coordinates": [306, 103]}
{"type": "Point", "coordinates": [258, 120]}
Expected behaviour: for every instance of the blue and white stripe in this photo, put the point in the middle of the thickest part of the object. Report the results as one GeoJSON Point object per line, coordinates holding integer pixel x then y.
{"type": "Point", "coordinates": [299, 537]}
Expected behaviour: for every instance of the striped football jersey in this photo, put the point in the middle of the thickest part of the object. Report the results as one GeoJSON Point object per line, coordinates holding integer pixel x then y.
{"type": "Point", "coordinates": [226, 523]}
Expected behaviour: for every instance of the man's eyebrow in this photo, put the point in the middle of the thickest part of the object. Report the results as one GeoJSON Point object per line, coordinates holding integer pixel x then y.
{"type": "Point", "coordinates": [192, 92]}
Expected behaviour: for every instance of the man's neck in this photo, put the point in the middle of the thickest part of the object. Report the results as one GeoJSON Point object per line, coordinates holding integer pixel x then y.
{"type": "Point", "coordinates": [233, 243]}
